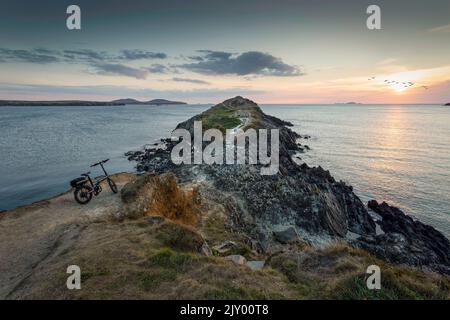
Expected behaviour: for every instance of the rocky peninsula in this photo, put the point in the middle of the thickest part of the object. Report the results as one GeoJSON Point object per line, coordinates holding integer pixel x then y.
{"type": "Point", "coordinates": [211, 231]}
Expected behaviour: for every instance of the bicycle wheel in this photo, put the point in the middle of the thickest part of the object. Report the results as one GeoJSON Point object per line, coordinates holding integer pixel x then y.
{"type": "Point", "coordinates": [112, 185]}
{"type": "Point", "coordinates": [83, 194]}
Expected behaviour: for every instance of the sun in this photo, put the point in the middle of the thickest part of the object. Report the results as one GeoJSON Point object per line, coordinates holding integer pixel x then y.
{"type": "Point", "coordinates": [398, 87]}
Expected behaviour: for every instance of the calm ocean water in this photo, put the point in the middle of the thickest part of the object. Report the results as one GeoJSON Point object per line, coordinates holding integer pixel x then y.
{"type": "Point", "coordinates": [396, 153]}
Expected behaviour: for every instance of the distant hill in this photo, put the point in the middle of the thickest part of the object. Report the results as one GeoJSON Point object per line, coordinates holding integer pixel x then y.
{"type": "Point", "coordinates": [119, 102]}
{"type": "Point", "coordinates": [58, 103]}
{"type": "Point", "coordinates": [127, 101]}
{"type": "Point", "coordinates": [351, 102]}
{"type": "Point", "coordinates": [447, 104]}
{"type": "Point", "coordinates": [163, 101]}
{"type": "Point", "coordinates": [151, 102]}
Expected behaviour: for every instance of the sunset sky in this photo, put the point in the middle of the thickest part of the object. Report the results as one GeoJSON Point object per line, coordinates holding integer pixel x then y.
{"type": "Point", "coordinates": [282, 51]}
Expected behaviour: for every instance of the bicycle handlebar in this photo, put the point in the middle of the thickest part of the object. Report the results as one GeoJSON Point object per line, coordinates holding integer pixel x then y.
{"type": "Point", "coordinates": [96, 164]}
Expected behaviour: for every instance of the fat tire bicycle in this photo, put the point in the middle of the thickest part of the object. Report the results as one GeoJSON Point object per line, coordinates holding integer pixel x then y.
{"type": "Point", "coordinates": [85, 187]}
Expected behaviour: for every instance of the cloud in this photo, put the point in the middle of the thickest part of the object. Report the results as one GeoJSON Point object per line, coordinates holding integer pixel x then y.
{"type": "Point", "coordinates": [40, 56]}
{"type": "Point", "coordinates": [247, 63]}
{"type": "Point", "coordinates": [137, 54]}
{"type": "Point", "coordinates": [445, 29]}
{"type": "Point", "coordinates": [120, 69]}
{"type": "Point", "coordinates": [111, 92]}
{"type": "Point", "coordinates": [387, 61]}
{"type": "Point", "coordinates": [158, 68]}
{"type": "Point", "coordinates": [196, 81]}
{"type": "Point", "coordinates": [84, 55]}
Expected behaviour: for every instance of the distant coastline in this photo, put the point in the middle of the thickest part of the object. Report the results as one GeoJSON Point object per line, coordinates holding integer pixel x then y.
{"type": "Point", "coordinates": [345, 103]}
{"type": "Point", "coordinates": [120, 102]}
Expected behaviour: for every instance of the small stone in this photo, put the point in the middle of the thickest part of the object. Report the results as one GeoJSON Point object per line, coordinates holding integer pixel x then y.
{"type": "Point", "coordinates": [155, 220]}
{"type": "Point", "coordinates": [236, 258]}
{"type": "Point", "coordinates": [256, 265]}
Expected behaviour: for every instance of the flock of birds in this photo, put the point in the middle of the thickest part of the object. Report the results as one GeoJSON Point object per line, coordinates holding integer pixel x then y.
{"type": "Point", "coordinates": [400, 84]}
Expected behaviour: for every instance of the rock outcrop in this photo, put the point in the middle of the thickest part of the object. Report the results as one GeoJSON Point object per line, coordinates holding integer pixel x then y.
{"type": "Point", "coordinates": [307, 200]}
{"type": "Point", "coordinates": [407, 241]}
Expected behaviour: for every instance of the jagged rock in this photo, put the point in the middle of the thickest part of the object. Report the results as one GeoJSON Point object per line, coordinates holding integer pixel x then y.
{"type": "Point", "coordinates": [206, 250]}
{"type": "Point", "coordinates": [236, 258]}
{"type": "Point", "coordinates": [407, 241]}
{"type": "Point", "coordinates": [287, 235]}
{"type": "Point", "coordinates": [225, 247]}
{"type": "Point", "coordinates": [256, 265]}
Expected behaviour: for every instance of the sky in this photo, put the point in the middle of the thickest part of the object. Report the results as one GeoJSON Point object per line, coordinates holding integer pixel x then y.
{"type": "Point", "coordinates": [198, 51]}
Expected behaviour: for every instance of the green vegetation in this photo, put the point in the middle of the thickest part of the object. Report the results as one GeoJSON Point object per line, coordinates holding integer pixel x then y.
{"type": "Point", "coordinates": [179, 237]}
{"type": "Point", "coordinates": [338, 272]}
{"type": "Point", "coordinates": [221, 118]}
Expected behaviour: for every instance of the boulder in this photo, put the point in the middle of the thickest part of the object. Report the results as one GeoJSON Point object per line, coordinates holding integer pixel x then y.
{"type": "Point", "coordinates": [287, 235]}
{"type": "Point", "coordinates": [236, 258]}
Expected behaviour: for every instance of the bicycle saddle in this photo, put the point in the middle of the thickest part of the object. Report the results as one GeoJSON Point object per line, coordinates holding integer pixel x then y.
{"type": "Point", "coordinates": [86, 174]}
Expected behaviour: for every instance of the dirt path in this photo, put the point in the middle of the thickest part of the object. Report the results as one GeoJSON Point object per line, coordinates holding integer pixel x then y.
{"type": "Point", "coordinates": [30, 234]}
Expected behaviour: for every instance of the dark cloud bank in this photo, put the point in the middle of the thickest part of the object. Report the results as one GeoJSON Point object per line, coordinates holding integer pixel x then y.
{"type": "Point", "coordinates": [247, 63]}
{"type": "Point", "coordinates": [40, 55]}
{"type": "Point", "coordinates": [207, 62]}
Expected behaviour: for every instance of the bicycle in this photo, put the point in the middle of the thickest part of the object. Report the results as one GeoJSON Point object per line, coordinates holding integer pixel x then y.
{"type": "Point", "coordinates": [85, 187]}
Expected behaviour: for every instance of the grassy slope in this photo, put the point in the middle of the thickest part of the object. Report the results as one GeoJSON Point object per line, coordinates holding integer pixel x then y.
{"type": "Point", "coordinates": [141, 259]}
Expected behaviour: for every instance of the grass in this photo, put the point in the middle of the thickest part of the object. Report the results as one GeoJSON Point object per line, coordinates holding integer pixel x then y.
{"type": "Point", "coordinates": [220, 118]}
{"type": "Point", "coordinates": [339, 272]}
{"type": "Point", "coordinates": [150, 280]}
{"type": "Point", "coordinates": [170, 259]}
{"type": "Point", "coordinates": [164, 266]}
{"type": "Point", "coordinates": [179, 237]}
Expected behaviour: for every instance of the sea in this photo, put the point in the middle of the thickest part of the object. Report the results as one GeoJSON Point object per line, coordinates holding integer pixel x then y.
{"type": "Point", "coordinates": [394, 153]}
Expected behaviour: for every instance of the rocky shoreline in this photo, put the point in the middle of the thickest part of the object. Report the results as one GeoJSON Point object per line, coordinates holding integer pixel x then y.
{"type": "Point", "coordinates": [303, 202]}
{"type": "Point", "coordinates": [220, 232]}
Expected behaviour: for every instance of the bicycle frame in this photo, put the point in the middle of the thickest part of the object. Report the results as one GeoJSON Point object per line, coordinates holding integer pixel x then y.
{"type": "Point", "coordinates": [97, 181]}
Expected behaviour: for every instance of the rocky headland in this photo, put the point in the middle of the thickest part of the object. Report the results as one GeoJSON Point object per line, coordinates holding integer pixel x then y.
{"type": "Point", "coordinates": [307, 200]}
{"type": "Point", "coordinates": [200, 231]}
